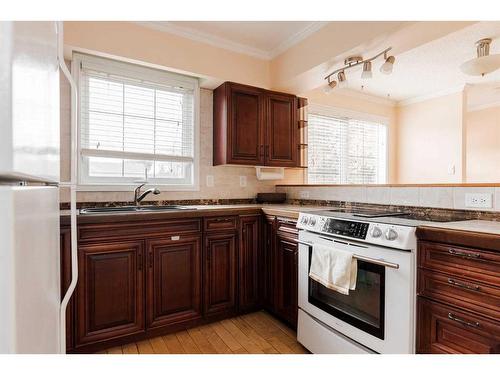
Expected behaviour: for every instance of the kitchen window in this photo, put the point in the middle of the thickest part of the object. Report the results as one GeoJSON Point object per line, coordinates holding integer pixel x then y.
{"type": "Point", "coordinates": [346, 150]}
{"type": "Point", "coordinates": [136, 124]}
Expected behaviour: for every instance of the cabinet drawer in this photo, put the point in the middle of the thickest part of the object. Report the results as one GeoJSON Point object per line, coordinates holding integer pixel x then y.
{"type": "Point", "coordinates": [470, 263]}
{"type": "Point", "coordinates": [139, 230]}
{"type": "Point", "coordinates": [213, 224]}
{"type": "Point", "coordinates": [443, 329]}
{"type": "Point", "coordinates": [481, 298]}
{"type": "Point", "coordinates": [287, 227]}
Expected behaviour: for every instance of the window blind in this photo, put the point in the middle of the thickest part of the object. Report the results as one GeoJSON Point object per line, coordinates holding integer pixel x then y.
{"type": "Point", "coordinates": [345, 150]}
{"type": "Point", "coordinates": [135, 122]}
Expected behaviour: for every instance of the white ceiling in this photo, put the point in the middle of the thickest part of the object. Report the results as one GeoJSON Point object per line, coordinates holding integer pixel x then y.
{"type": "Point", "coordinates": [262, 39]}
{"type": "Point", "coordinates": [431, 69]}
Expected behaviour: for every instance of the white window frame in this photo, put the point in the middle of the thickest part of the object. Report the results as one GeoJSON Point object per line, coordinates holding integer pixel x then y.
{"type": "Point", "coordinates": [86, 183]}
{"type": "Point", "coordinates": [328, 111]}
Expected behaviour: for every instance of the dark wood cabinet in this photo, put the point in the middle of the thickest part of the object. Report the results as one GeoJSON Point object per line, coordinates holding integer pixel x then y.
{"type": "Point", "coordinates": [248, 263]}
{"type": "Point", "coordinates": [267, 257]}
{"type": "Point", "coordinates": [110, 295]}
{"type": "Point", "coordinates": [220, 273]}
{"type": "Point", "coordinates": [281, 138]}
{"type": "Point", "coordinates": [65, 244]}
{"type": "Point", "coordinates": [458, 293]}
{"type": "Point", "coordinates": [446, 330]}
{"type": "Point", "coordinates": [173, 280]}
{"type": "Point", "coordinates": [285, 280]}
{"type": "Point", "coordinates": [253, 126]}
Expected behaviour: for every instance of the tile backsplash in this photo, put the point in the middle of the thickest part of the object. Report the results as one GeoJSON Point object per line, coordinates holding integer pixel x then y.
{"type": "Point", "coordinates": [423, 196]}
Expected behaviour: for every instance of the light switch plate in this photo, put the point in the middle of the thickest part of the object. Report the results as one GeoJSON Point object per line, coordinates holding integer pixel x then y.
{"type": "Point", "coordinates": [210, 180]}
{"type": "Point", "coordinates": [243, 181]}
{"type": "Point", "coordinates": [304, 194]}
{"type": "Point", "coordinates": [479, 200]}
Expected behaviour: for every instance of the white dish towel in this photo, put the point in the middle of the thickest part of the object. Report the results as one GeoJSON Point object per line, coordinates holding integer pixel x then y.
{"type": "Point", "coordinates": [334, 268]}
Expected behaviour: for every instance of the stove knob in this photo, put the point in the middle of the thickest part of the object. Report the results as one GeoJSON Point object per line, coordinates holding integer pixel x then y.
{"type": "Point", "coordinates": [376, 232]}
{"type": "Point", "coordinates": [391, 234]}
{"type": "Point", "coordinates": [312, 221]}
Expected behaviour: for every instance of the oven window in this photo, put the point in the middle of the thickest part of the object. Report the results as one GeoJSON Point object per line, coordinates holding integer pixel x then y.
{"type": "Point", "coordinates": [364, 307]}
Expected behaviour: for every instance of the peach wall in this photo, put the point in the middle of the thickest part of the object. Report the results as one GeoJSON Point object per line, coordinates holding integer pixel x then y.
{"type": "Point", "coordinates": [368, 105]}
{"type": "Point", "coordinates": [141, 44]}
{"type": "Point", "coordinates": [483, 145]}
{"type": "Point", "coordinates": [429, 140]}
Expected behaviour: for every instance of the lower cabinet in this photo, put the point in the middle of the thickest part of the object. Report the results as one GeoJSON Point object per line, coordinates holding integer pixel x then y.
{"type": "Point", "coordinates": [173, 280]}
{"type": "Point", "coordinates": [65, 244]}
{"type": "Point", "coordinates": [248, 263]}
{"type": "Point", "coordinates": [220, 273]}
{"type": "Point", "coordinates": [446, 330]}
{"type": "Point", "coordinates": [110, 296]}
{"type": "Point", "coordinates": [285, 279]}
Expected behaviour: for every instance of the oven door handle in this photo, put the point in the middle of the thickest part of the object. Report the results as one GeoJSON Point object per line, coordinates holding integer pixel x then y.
{"type": "Point", "coordinates": [363, 258]}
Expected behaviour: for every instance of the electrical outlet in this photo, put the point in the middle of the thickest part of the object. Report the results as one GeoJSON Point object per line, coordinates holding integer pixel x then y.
{"type": "Point", "coordinates": [304, 194]}
{"type": "Point", "coordinates": [210, 180]}
{"type": "Point", "coordinates": [479, 200]}
{"type": "Point", "coordinates": [243, 181]}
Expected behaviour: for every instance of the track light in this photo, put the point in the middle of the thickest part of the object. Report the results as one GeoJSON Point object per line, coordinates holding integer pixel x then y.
{"type": "Point", "coordinates": [484, 63]}
{"type": "Point", "coordinates": [367, 70]}
{"type": "Point", "coordinates": [353, 61]}
{"type": "Point", "coordinates": [386, 67]}
{"type": "Point", "coordinates": [331, 85]}
{"type": "Point", "coordinates": [342, 79]}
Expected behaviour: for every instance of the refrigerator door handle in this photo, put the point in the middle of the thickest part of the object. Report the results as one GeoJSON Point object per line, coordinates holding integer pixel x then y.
{"type": "Point", "coordinates": [71, 185]}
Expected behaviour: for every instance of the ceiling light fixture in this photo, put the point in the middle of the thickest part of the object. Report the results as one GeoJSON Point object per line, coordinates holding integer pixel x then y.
{"type": "Point", "coordinates": [387, 66]}
{"type": "Point", "coordinates": [354, 61]}
{"type": "Point", "coordinates": [331, 85]}
{"type": "Point", "coordinates": [367, 70]}
{"type": "Point", "coordinates": [342, 79]}
{"type": "Point", "coordinates": [484, 63]}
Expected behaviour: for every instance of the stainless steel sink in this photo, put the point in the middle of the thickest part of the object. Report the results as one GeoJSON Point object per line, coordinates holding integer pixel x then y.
{"type": "Point", "coordinates": [102, 210]}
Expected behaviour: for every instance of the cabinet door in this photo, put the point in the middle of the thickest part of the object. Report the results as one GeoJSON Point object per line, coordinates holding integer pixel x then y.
{"type": "Point", "coordinates": [248, 263]}
{"type": "Point", "coordinates": [220, 272]}
{"type": "Point", "coordinates": [285, 281]}
{"type": "Point", "coordinates": [173, 280]}
{"type": "Point", "coordinates": [442, 330]}
{"type": "Point", "coordinates": [282, 128]}
{"type": "Point", "coordinates": [245, 126]}
{"type": "Point", "coordinates": [65, 243]}
{"type": "Point", "coordinates": [110, 295]}
{"type": "Point", "coordinates": [267, 258]}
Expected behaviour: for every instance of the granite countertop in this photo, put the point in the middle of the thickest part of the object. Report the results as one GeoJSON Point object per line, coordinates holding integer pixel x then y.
{"type": "Point", "coordinates": [479, 226]}
{"type": "Point", "coordinates": [286, 210]}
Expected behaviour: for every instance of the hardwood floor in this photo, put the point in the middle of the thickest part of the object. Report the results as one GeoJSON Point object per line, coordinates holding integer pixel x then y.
{"type": "Point", "coordinates": [255, 333]}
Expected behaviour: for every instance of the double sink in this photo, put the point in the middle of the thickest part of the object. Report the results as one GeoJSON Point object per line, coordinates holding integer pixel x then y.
{"type": "Point", "coordinates": [123, 209]}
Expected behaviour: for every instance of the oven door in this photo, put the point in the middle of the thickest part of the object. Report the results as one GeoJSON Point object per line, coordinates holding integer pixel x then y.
{"type": "Point", "coordinates": [379, 313]}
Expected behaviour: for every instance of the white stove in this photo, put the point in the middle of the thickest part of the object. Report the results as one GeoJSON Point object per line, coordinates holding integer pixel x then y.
{"type": "Point", "coordinates": [379, 315]}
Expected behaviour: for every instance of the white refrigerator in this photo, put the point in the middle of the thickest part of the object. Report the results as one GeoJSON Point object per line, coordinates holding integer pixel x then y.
{"type": "Point", "coordinates": [30, 295]}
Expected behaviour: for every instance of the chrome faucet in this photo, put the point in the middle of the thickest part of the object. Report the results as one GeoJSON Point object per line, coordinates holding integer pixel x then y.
{"type": "Point", "coordinates": [138, 198]}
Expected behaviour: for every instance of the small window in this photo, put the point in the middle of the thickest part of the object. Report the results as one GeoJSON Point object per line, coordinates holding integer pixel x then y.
{"type": "Point", "coordinates": [344, 150]}
{"type": "Point", "coordinates": [136, 123]}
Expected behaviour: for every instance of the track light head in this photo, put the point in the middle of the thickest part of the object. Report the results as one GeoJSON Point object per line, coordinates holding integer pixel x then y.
{"type": "Point", "coordinates": [342, 79]}
{"type": "Point", "coordinates": [329, 88]}
{"type": "Point", "coordinates": [367, 70]}
{"type": "Point", "coordinates": [387, 66]}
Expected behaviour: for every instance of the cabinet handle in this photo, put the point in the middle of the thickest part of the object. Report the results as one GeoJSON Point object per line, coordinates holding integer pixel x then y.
{"type": "Point", "coordinates": [139, 262]}
{"type": "Point", "coordinates": [261, 153]}
{"type": "Point", "coordinates": [223, 219]}
{"type": "Point", "coordinates": [151, 260]}
{"type": "Point", "coordinates": [461, 321]}
{"type": "Point", "coordinates": [463, 285]}
{"type": "Point", "coordinates": [266, 152]}
{"type": "Point", "coordinates": [464, 255]}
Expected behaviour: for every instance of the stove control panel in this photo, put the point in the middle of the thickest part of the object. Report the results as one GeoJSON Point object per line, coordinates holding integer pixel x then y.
{"type": "Point", "coordinates": [346, 228]}
{"type": "Point", "coordinates": [391, 235]}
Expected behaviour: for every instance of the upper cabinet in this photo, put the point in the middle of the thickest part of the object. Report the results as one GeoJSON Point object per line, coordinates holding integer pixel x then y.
{"type": "Point", "coordinates": [253, 126]}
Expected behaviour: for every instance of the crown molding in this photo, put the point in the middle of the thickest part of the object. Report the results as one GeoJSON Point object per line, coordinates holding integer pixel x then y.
{"type": "Point", "coordinates": [365, 96]}
{"type": "Point", "coordinates": [224, 43]}
{"type": "Point", "coordinates": [423, 98]}
{"type": "Point", "coordinates": [480, 107]}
